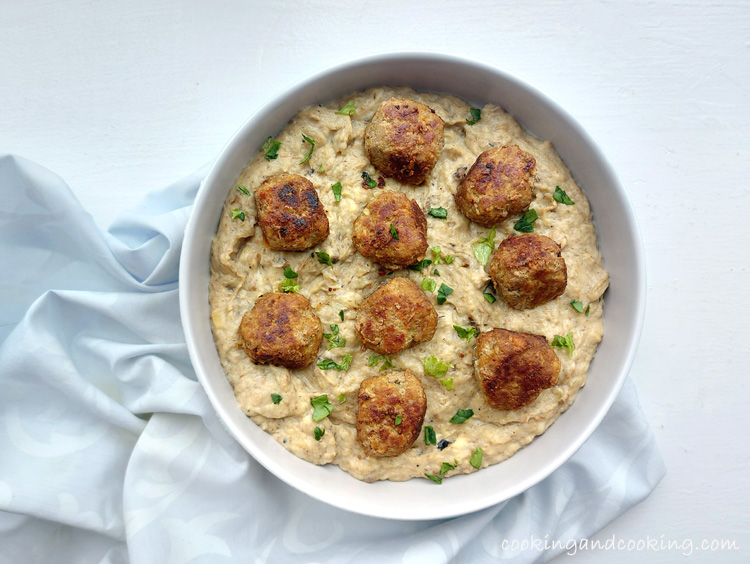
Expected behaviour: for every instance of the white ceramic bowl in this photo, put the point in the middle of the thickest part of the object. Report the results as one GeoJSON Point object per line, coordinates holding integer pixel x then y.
{"type": "Point", "coordinates": [618, 238]}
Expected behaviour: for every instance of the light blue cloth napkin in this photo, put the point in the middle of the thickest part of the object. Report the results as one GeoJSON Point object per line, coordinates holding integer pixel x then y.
{"type": "Point", "coordinates": [111, 452]}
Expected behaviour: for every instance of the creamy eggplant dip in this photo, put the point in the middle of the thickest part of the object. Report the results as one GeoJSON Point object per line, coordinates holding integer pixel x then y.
{"type": "Point", "coordinates": [313, 410]}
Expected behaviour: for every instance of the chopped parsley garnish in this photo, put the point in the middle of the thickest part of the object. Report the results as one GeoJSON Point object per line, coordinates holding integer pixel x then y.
{"type": "Point", "coordinates": [443, 292]}
{"type": "Point", "coordinates": [276, 398]}
{"type": "Point", "coordinates": [342, 398]}
{"type": "Point", "coordinates": [320, 168]}
{"type": "Point", "coordinates": [397, 420]}
{"type": "Point", "coordinates": [438, 258]}
{"type": "Point", "coordinates": [447, 383]}
{"type": "Point", "coordinates": [440, 213]}
{"type": "Point", "coordinates": [428, 285]}
{"type": "Point", "coordinates": [289, 283]}
{"type": "Point", "coordinates": [476, 115]}
{"type": "Point", "coordinates": [484, 248]}
{"type": "Point", "coordinates": [462, 416]}
{"type": "Point", "coordinates": [327, 364]}
{"type": "Point", "coordinates": [559, 342]}
{"type": "Point", "coordinates": [429, 436]}
{"type": "Point", "coordinates": [312, 148]}
{"type": "Point", "coordinates": [578, 306]}
{"type": "Point", "coordinates": [526, 223]}
{"type": "Point", "coordinates": [347, 109]}
{"type": "Point", "coordinates": [324, 258]}
{"type": "Point", "coordinates": [562, 197]}
{"type": "Point", "coordinates": [394, 233]}
{"type": "Point", "coordinates": [334, 339]}
{"type": "Point", "coordinates": [341, 314]}
{"type": "Point", "coordinates": [289, 273]}
{"type": "Point", "coordinates": [436, 272]}
{"type": "Point", "coordinates": [336, 189]}
{"type": "Point", "coordinates": [271, 148]}
{"type": "Point", "coordinates": [436, 367]}
{"type": "Point", "coordinates": [319, 433]}
{"type": "Point", "coordinates": [322, 408]}
{"type": "Point", "coordinates": [588, 308]}
{"type": "Point", "coordinates": [436, 479]}
{"type": "Point", "coordinates": [242, 189]}
{"type": "Point", "coordinates": [238, 214]}
{"type": "Point", "coordinates": [446, 467]}
{"type": "Point", "coordinates": [489, 297]}
{"type": "Point", "coordinates": [369, 181]}
{"type": "Point", "coordinates": [374, 359]}
{"type": "Point", "coordinates": [467, 333]}
{"type": "Point", "coordinates": [476, 459]}
{"type": "Point", "coordinates": [420, 265]}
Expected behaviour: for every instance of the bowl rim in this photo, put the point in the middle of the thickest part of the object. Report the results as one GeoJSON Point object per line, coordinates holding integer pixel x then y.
{"type": "Point", "coordinates": [188, 291]}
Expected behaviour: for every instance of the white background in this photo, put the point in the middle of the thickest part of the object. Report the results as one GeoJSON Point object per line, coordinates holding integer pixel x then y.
{"type": "Point", "coordinates": [121, 98]}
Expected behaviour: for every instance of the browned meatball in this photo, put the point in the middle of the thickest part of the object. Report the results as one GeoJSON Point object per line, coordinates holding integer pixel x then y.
{"type": "Point", "coordinates": [391, 231]}
{"type": "Point", "coordinates": [281, 329]}
{"type": "Point", "coordinates": [498, 184]}
{"type": "Point", "coordinates": [404, 140]}
{"type": "Point", "coordinates": [390, 413]}
{"type": "Point", "coordinates": [290, 214]}
{"type": "Point", "coordinates": [514, 368]}
{"type": "Point", "coordinates": [395, 317]}
{"type": "Point", "coordinates": [528, 270]}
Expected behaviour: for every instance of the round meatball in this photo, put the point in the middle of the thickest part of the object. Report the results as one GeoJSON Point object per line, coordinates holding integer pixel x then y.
{"type": "Point", "coordinates": [390, 413]}
{"type": "Point", "coordinates": [528, 270]}
{"type": "Point", "coordinates": [395, 317]}
{"type": "Point", "coordinates": [391, 231]}
{"type": "Point", "coordinates": [281, 329]}
{"type": "Point", "coordinates": [404, 140]}
{"type": "Point", "coordinates": [514, 368]}
{"type": "Point", "coordinates": [290, 214]}
{"type": "Point", "coordinates": [498, 184]}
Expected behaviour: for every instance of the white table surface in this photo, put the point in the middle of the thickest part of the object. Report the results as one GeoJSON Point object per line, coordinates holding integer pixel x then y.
{"type": "Point", "coordinates": [123, 98]}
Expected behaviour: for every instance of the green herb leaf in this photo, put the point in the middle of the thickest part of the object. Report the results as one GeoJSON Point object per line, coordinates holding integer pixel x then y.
{"type": "Point", "coordinates": [435, 367]}
{"type": "Point", "coordinates": [341, 314]}
{"type": "Point", "coordinates": [588, 308]}
{"type": "Point", "coordinates": [312, 148]}
{"type": "Point", "coordinates": [322, 408]}
{"type": "Point", "coordinates": [394, 233]}
{"type": "Point", "coordinates": [438, 258]}
{"type": "Point", "coordinates": [347, 109]}
{"type": "Point", "coordinates": [429, 436]}
{"type": "Point", "coordinates": [484, 248]}
{"type": "Point", "coordinates": [327, 364]}
{"type": "Point", "coordinates": [526, 223]}
{"type": "Point", "coordinates": [276, 398]}
{"type": "Point", "coordinates": [443, 292]}
{"type": "Point", "coordinates": [449, 259]}
{"type": "Point", "coordinates": [440, 213]}
{"type": "Point", "coordinates": [467, 333]}
{"type": "Point", "coordinates": [559, 342]}
{"type": "Point", "coordinates": [324, 258]}
{"type": "Point", "coordinates": [271, 148]}
{"type": "Point", "coordinates": [334, 339]}
{"type": "Point", "coordinates": [369, 181]}
{"type": "Point", "coordinates": [562, 197]}
{"type": "Point", "coordinates": [374, 359]}
{"type": "Point", "coordinates": [476, 115]}
{"type": "Point", "coordinates": [448, 383]}
{"type": "Point", "coordinates": [238, 214]}
{"type": "Point", "coordinates": [428, 285]}
{"type": "Point", "coordinates": [578, 306]}
{"type": "Point", "coordinates": [320, 168]}
{"type": "Point", "coordinates": [398, 420]}
{"type": "Point", "coordinates": [489, 297]}
{"type": "Point", "coordinates": [290, 285]}
{"type": "Point", "coordinates": [436, 479]}
{"type": "Point", "coordinates": [243, 190]}
{"type": "Point", "coordinates": [289, 273]}
{"type": "Point", "coordinates": [462, 415]}
{"type": "Point", "coordinates": [387, 364]}
{"type": "Point", "coordinates": [319, 433]}
{"type": "Point", "coordinates": [420, 265]}
{"type": "Point", "coordinates": [342, 398]}
{"type": "Point", "coordinates": [476, 459]}
{"type": "Point", "coordinates": [336, 188]}
{"type": "Point", "coordinates": [446, 467]}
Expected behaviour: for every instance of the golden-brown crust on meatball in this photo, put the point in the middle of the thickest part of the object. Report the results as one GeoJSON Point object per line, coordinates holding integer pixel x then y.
{"type": "Point", "coordinates": [498, 184]}
{"type": "Point", "coordinates": [396, 316]}
{"type": "Point", "coordinates": [382, 400]}
{"type": "Point", "coordinates": [528, 270]}
{"type": "Point", "coordinates": [374, 239]}
{"type": "Point", "coordinates": [404, 140]}
{"type": "Point", "coordinates": [512, 369]}
{"type": "Point", "coordinates": [281, 329]}
{"type": "Point", "coordinates": [290, 213]}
